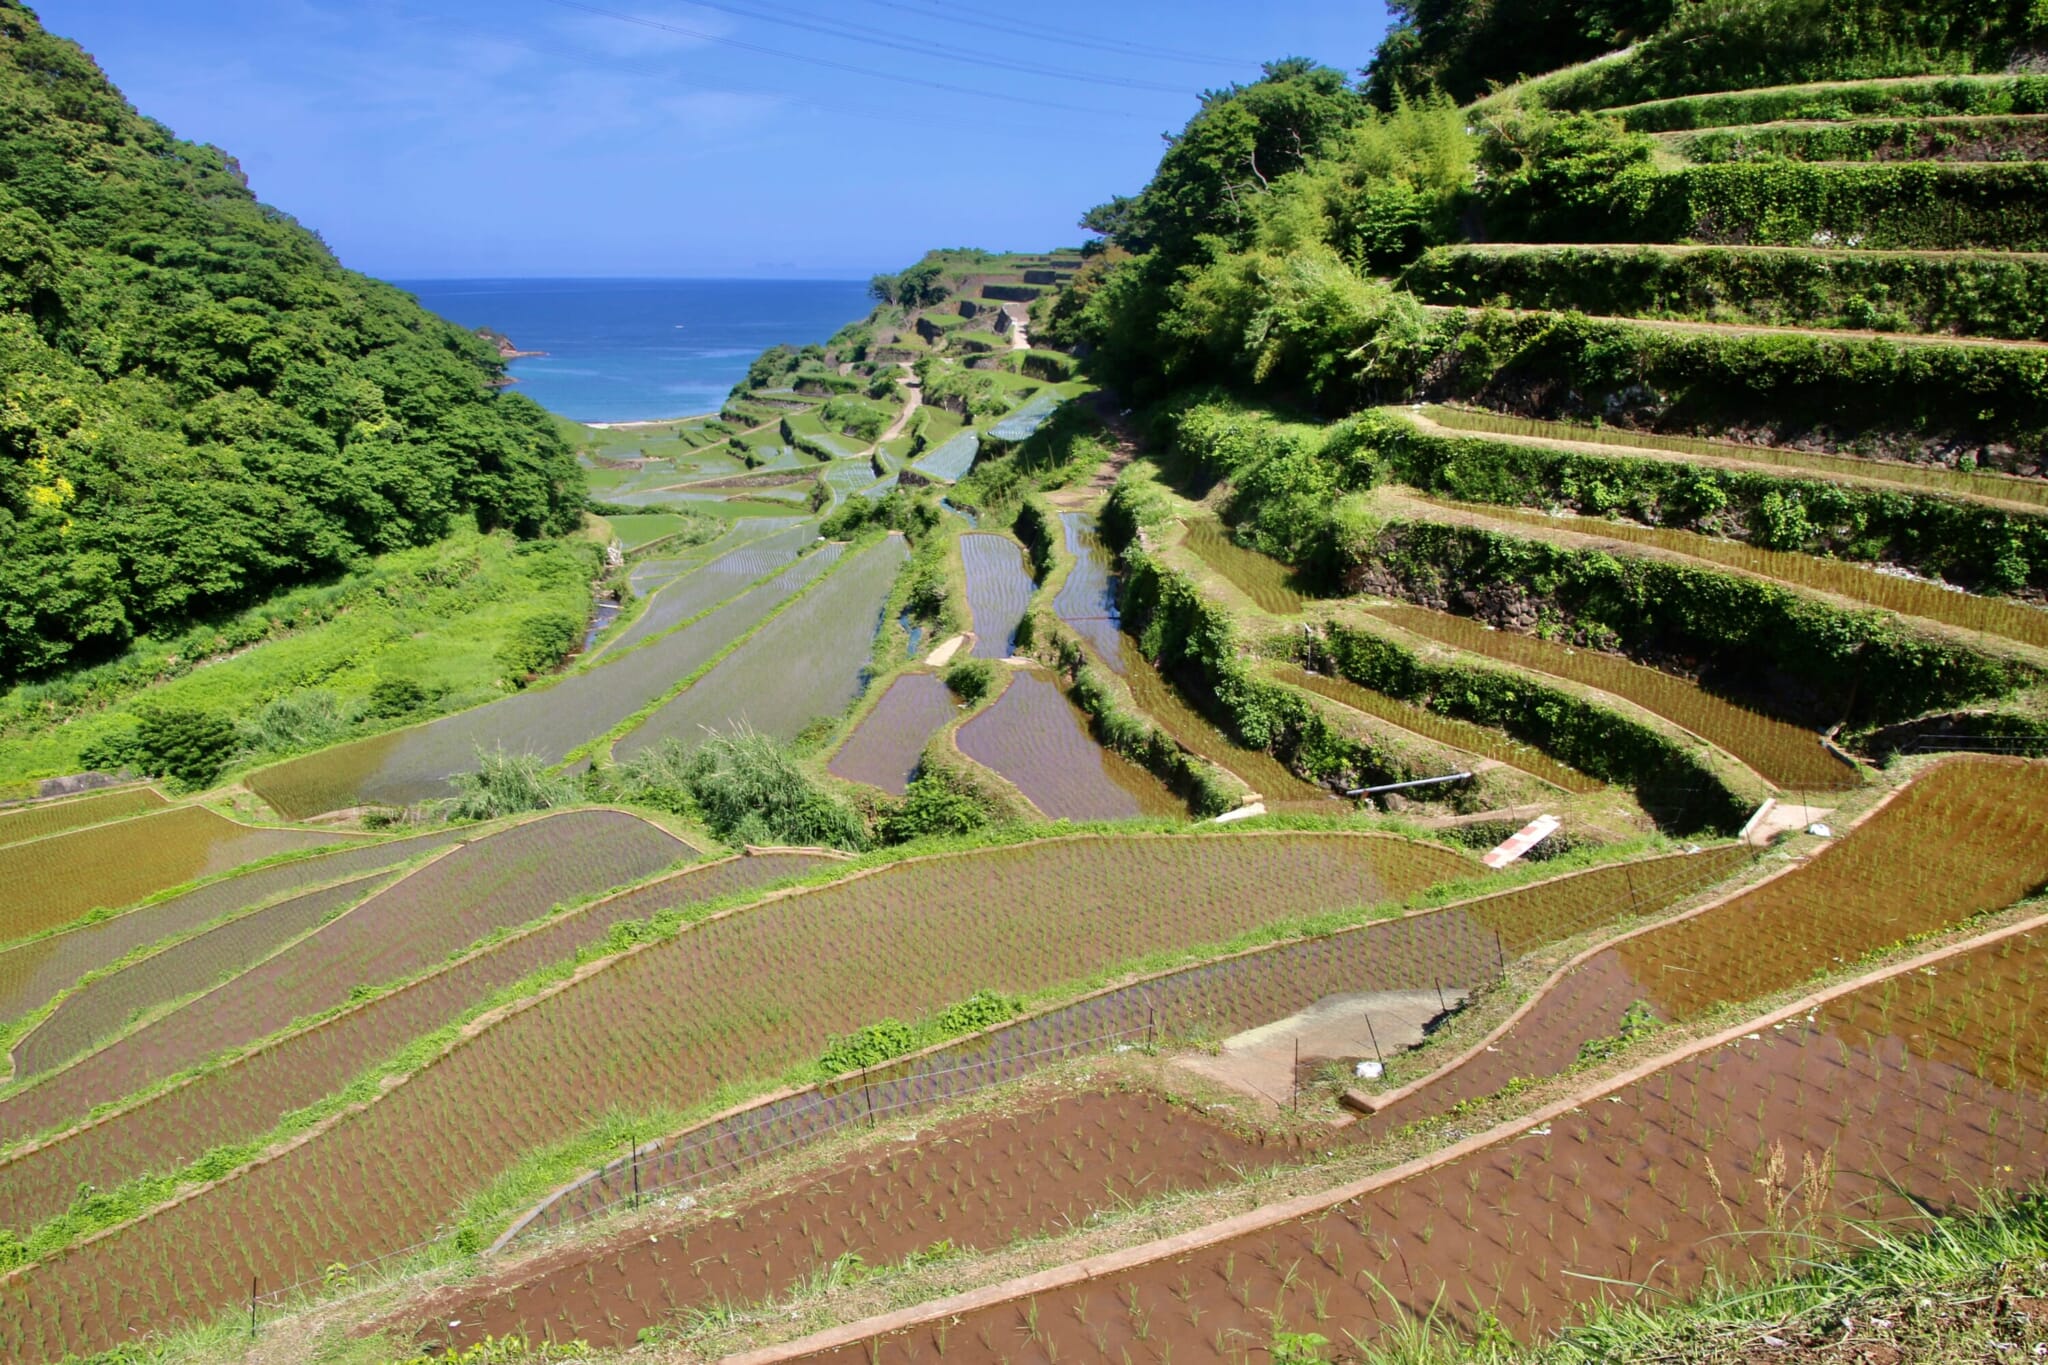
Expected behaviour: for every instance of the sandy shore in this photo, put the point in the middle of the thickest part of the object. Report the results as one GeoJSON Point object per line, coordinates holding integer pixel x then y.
{"type": "Point", "coordinates": [649, 422]}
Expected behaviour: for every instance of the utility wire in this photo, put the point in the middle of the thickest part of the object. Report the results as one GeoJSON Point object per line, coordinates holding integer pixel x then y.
{"type": "Point", "coordinates": [1040, 33]}
{"type": "Point", "coordinates": [788, 98]}
{"type": "Point", "coordinates": [877, 39]}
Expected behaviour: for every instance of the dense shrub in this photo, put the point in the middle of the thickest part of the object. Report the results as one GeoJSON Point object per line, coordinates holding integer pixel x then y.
{"type": "Point", "coordinates": [1970, 95]}
{"type": "Point", "coordinates": [509, 784]}
{"type": "Point", "coordinates": [1987, 295]}
{"type": "Point", "coordinates": [204, 406]}
{"type": "Point", "coordinates": [538, 644]}
{"type": "Point", "coordinates": [749, 790]}
{"type": "Point", "coordinates": [971, 679]}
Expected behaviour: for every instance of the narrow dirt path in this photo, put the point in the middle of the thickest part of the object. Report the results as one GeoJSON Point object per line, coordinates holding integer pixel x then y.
{"type": "Point", "coordinates": [916, 400]}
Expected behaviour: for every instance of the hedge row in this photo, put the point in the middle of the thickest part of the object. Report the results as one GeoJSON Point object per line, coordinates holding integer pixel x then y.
{"type": "Point", "coordinates": [1990, 139]}
{"type": "Point", "coordinates": [1985, 403]}
{"type": "Point", "coordinates": [1906, 206]}
{"type": "Point", "coordinates": [1175, 626]}
{"type": "Point", "coordinates": [1788, 654]}
{"type": "Point", "coordinates": [1932, 98]}
{"type": "Point", "coordinates": [1206, 788]}
{"type": "Point", "coordinates": [1961, 541]}
{"type": "Point", "coordinates": [1681, 792]}
{"type": "Point", "coordinates": [1998, 296]}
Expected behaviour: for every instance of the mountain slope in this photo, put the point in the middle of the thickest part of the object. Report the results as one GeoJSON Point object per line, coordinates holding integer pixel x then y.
{"type": "Point", "coordinates": [198, 403]}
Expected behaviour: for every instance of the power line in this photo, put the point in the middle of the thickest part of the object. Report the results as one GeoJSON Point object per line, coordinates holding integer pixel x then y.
{"type": "Point", "coordinates": [921, 47]}
{"type": "Point", "coordinates": [1114, 46]}
{"type": "Point", "coordinates": [793, 99]}
{"type": "Point", "coordinates": [785, 55]}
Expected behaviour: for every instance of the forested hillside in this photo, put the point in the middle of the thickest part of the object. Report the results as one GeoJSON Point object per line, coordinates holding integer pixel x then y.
{"type": "Point", "coordinates": [201, 405]}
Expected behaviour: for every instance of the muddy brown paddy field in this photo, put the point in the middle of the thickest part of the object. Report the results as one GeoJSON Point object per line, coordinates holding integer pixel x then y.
{"type": "Point", "coordinates": [1044, 1163]}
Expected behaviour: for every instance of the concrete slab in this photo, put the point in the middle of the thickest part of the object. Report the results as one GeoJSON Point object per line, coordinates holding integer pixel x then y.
{"type": "Point", "coordinates": [1355, 1024]}
{"type": "Point", "coordinates": [943, 655]}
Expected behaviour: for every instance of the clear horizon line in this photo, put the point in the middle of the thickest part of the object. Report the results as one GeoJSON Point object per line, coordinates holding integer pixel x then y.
{"type": "Point", "coordinates": [754, 279]}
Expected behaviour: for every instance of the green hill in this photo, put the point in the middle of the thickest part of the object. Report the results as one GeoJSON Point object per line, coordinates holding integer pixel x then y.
{"type": "Point", "coordinates": [201, 405]}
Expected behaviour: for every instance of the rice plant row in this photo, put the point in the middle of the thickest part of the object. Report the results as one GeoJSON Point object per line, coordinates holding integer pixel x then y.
{"type": "Point", "coordinates": [31, 973]}
{"type": "Point", "coordinates": [54, 817]}
{"type": "Point", "coordinates": [99, 1009]}
{"type": "Point", "coordinates": [1930, 478]}
{"type": "Point", "coordinates": [807, 663]}
{"type": "Point", "coordinates": [492, 884]}
{"type": "Point", "coordinates": [240, 1101]}
{"type": "Point", "coordinates": [1785, 755]}
{"type": "Point", "coordinates": [1968, 837]}
{"type": "Point", "coordinates": [1460, 944]}
{"type": "Point", "coordinates": [1916, 1092]}
{"type": "Point", "coordinates": [415, 764]}
{"type": "Point", "coordinates": [2004, 618]}
{"type": "Point", "coordinates": [1458, 734]}
{"type": "Point", "coordinates": [49, 882]}
{"type": "Point", "coordinates": [705, 587]}
{"type": "Point", "coordinates": [736, 998]}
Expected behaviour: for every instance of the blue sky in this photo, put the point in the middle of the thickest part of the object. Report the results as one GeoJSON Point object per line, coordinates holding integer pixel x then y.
{"type": "Point", "coordinates": [428, 138]}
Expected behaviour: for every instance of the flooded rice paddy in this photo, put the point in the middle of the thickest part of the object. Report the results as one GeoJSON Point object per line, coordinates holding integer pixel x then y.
{"type": "Point", "coordinates": [415, 764]}
{"type": "Point", "coordinates": [883, 749]}
{"type": "Point", "coordinates": [808, 663]}
{"type": "Point", "coordinates": [51, 881]}
{"type": "Point", "coordinates": [1039, 740]}
{"type": "Point", "coordinates": [1086, 602]}
{"type": "Point", "coordinates": [1787, 756]}
{"type": "Point", "coordinates": [1457, 734]}
{"type": "Point", "coordinates": [55, 817]}
{"type": "Point", "coordinates": [999, 587]}
{"type": "Point", "coordinates": [705, 587]}
{"type": "Point", "coordinates": [31, 973]}
{"type": "Point", "coordinates": [1270, 584]}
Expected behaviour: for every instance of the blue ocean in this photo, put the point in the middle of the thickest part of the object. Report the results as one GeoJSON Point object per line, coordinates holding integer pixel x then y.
{"type": "Point", "coordinates": [635, 350]}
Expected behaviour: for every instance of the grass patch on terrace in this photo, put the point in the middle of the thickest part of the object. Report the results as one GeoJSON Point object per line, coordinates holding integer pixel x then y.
{"type": "Point", "coordinates": [438, 616]}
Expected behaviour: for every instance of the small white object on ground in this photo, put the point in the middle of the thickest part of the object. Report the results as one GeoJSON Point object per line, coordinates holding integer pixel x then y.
{"type": "Point", "coordinates": [1241, 813]}
{"type": "Point", "coordinates": [1369, 1071]}
{"type": "Point", "coordinates": [1817, 828]}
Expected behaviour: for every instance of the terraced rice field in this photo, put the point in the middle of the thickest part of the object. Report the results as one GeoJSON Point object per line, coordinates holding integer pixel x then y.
{"type": "Point", "coordinates": [492, 884]}
{"type": "Point", "coordinates": [999, 587]}
{"type": "Point", "coordinates": [1024, 423]}
{"type": "Point", "coordinates": [244, 1098]}
{"type": "Point", "coordinates": [1907, 596]}
{"type": "Point", "coordinates": [1039, 740]}
{"type": "Point", "coordinates": [1786, 756]}
{"type": "Point", "coordinates": [808, 663]}
{"type": "Point", "coordinates": [1776, 1135]}
{"type": "Point", "coordinates": [55, 817]}
{"type": "Point", "coordinates": [1087, 600]}
{"type": "Point", "coordinates": [412, 765]}
{"type": "Point", "coordinates": [1458, 945]}
{"type": "Point", "coordinates": [951, 459]}
{"type": "Point", "coordinates": [51, 881]}
{"type": "Point", "coordinates": [701, 589]}
{"type": "Point", "coordinates": [1968, 837]}
{"type": "Point", "coordinates": [1931, 478]}
{"type": "Point", "coordinates": [978, 1182]}
{"type": "Point", "coordinates": [1268, 582]}
{"type": "Point", "coordinates": [1163, 702]}
{"type": "Point", "coordinates": [883, 749]}
{"type": "Point", "coordinates": [640, 528]}
{"type": "Point", "coordinates": [672, 1022]}
{"type": "Point", "coordinates": [32, 972]}
{"type": "Point", "coordinates": [99, 1009]}
{"type": "Point", "coordinates": [1458, 734]}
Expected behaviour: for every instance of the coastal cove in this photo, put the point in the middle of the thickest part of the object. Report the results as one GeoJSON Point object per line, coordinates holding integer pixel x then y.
{"type": "Point", "coordinates": [620, 350]}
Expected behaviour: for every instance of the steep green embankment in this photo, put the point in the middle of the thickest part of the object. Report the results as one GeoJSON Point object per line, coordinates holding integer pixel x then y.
{"type": "Point", "coordinates": [201, 404]}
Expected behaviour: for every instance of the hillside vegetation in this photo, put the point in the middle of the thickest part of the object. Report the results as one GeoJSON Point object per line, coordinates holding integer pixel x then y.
{"type": "Point", "coordinates": [202, 405]}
